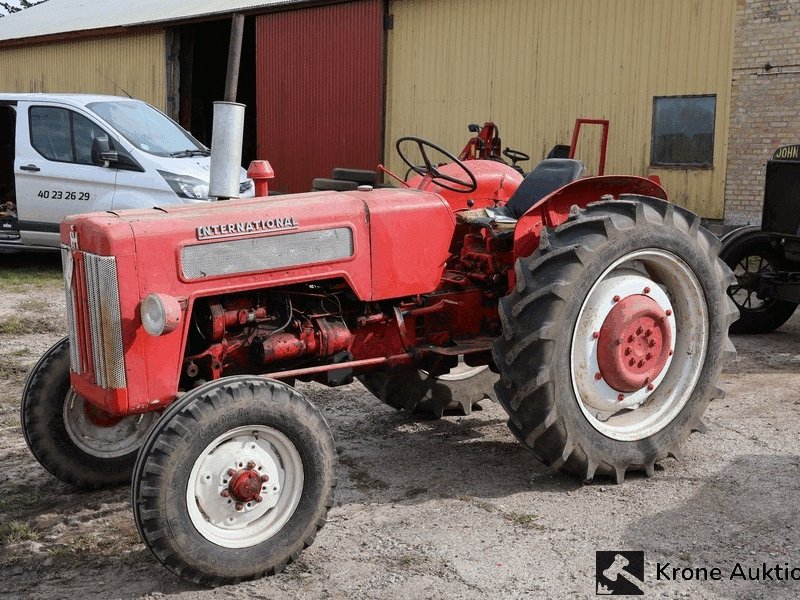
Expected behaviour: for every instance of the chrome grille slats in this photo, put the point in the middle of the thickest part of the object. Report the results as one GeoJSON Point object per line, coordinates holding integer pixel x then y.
{"type": "Point", "coordinates": [67, 268]}
{"type": "Point", "coordinates": [105, 323]}
{"type": "Point", "coordinates": [269, 252]}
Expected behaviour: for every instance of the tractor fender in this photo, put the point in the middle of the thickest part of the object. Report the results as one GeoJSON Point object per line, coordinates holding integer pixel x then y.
{"type": "Point", "coordinates": [554, 209]}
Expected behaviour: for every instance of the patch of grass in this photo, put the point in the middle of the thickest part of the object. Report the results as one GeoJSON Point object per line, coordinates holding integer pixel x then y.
{"type": "Point", "coordinates": [32, 270]}
{"type": "Point", "coordinates": [410, 560]}
{"type": "Point", "coordinates": [527, 520]}
{"type": "Point", "coordinates": [17, 531]}
{"type": "Point", "coordinates": [34, 305]}
{"type": "Point", "coordinates": [19, 325]}
{"type": "Point", "coordinates": [20, 352]}
{"type": "Point", "coordinates": [10, 368]}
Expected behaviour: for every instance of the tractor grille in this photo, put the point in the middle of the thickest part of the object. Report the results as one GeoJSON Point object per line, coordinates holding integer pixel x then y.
{"type": "Point", "coordinates": [67, 266]}
{"type": "Point", "coordinates": [100, 314]}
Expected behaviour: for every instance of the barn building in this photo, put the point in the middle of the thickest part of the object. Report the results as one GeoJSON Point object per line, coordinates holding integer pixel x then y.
{"type": "Point", "coordinates": [698, 92]}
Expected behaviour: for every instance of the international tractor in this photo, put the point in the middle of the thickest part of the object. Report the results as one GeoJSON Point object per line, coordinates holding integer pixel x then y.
{"type": "Point", "coordinates": [595, 308]}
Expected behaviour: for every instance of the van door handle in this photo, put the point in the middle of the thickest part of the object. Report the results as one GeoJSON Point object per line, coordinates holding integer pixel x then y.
{"type": "Point", "coordinates": [29, 168]}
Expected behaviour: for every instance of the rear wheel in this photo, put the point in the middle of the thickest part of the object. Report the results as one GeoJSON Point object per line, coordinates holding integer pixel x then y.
{"type": "Point", "coordinates": [614, 338]}
{"type": "Point", "coordinates": [416, 390]}
{"type": "Point", "coordinates": [234, 481]}
{"type": "Point", "coordinates": [75, 441]}
{"type": "Point", "coordinates": [749, 253]}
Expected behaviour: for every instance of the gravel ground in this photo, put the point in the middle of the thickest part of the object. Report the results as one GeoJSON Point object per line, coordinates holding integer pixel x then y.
{"type": "Point", "coordinates": [454, 508]}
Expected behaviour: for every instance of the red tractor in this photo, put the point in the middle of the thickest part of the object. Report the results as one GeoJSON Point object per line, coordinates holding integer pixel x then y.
{"type": "Point", "coordinates": [601, 305]}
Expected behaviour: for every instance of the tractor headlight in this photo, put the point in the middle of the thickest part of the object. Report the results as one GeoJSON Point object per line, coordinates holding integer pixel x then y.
{"type": "Point", "coordinates": [160, 314]}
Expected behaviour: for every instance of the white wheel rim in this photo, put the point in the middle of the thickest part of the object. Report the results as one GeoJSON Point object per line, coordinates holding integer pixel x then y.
{"type": "Point", "coordinates": [645, 411]}
{"type": "Point", "coordinates": [112, 441]}
{"type": "Point", "coordinates": [216, 516]}
{"type": "Point", "coordinates": [462, 371]}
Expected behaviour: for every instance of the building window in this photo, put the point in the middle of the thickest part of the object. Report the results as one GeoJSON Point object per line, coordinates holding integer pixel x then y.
{"type": "Point", "coordinates": [683, 131]}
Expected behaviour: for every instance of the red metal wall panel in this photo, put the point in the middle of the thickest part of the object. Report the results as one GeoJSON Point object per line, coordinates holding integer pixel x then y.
{"type": "Point", "coordinates": [319, 90]}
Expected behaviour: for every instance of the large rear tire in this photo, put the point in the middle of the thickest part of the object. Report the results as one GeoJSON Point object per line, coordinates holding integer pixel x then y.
{"type": "Point", "coordinates": [76, 442]}
{"type": "Point", "coordinates": [630, 279]}
{"type": "Point", "coordinates": [418, 391]}
{"type": "Point", "coordinates": [234, 481]}
{"type": "Point", "coordinates": [749, 252]}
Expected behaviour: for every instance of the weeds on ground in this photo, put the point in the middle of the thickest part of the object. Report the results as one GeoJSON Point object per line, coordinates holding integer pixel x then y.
{"type": "Point", "coordinates": [17, 531]}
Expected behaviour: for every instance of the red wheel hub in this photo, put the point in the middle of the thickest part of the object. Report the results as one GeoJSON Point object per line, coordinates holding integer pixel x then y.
{"type": "Point", "coordinates": [245, 486]}
{"type": "Point", "coordinates": [634, 343]}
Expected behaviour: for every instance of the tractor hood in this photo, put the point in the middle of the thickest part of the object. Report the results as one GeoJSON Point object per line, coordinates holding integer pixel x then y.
{"type": "Point", "coordinates": [384, 243]}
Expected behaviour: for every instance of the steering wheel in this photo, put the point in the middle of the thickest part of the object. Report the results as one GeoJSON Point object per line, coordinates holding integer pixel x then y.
{"type": "Point", "coordinates": [515, 155]}
{"type": "Point", "coordinates": [462, 186]}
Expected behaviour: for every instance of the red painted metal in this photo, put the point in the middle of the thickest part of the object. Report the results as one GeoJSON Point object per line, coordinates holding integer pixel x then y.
{"type": "Point", "coordinates": [485, 145]}
{"type": "Point", "coordinates": [245, 486]}
{"type": "Point", "coordinates": [553, 210]}
{"type": "Point", "coordinates": [260, 171]}
{"type": "Point", "coordinates": [418, 290]}
{"type": "Point", "coordinates": [601, 169]}
{"type": "Point", "coordinates": [634, 343]}
{"type": "Point", "coordinates": [319, 90]}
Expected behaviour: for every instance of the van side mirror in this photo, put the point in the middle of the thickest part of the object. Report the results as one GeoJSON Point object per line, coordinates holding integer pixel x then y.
{"type": "Point", "coordinates": [102, 152]}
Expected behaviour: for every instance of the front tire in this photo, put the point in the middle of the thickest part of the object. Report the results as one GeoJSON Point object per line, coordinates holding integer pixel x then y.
{"type": "Point", "coordinates": [234, 481]}
{"type": "Point", "coordinates": [76, 442]}
{"type": "Point", "coordinates": [749, 252]}
{"type": "Point", "coordinates": [635, 279]}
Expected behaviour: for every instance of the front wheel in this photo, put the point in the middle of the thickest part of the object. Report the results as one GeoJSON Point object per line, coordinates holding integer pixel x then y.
{"type": "Point", "coordinates": [749, 252]}
{"type": "Point", "coordinates": [614, 337]}
{"type": "Point", "coordinates": [234, 481]}
{"type": "Point", "coordinates": [75, 441]}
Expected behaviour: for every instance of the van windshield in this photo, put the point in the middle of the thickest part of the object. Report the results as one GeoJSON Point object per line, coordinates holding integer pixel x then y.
{"type": "Point", "coordinates": [147, 129]}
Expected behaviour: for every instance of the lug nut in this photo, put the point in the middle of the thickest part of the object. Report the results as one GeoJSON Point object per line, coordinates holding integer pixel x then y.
{"type": "Point", "coordinates": [616, 298]}
{"type": "Point", "coordinates": [231, 472]}
{"type": "Point", "coordinates": [670, 352]}
{"type": "Point", "coordinates": [239, 506]}
{"type": "Point", "coordinates": [265, 477]}
{"type": "Point", "coordinates": [631, 362]}
{"type": "Point", "coordinates": [224, 493]}
{"type": "Point", "coordinates": [651, 343]}
{"type": "Point", "coordinates": [259, 498]}
{"type": "Point", "coordinates": [631, 338]}
{"type": "Point", "coordinates": [628, 351]}
{"type": "Point", "coordinates": [668, 312]}
{"type": "Point", "coordinates": [621, 397]}
{"type": "Point", "coordinates": [648, 356]}
{"type": "Point", "coordinates": [596, 335]}
{"type": "Point", "coordinates": [598, 376]}
{"type": "Point", "coordinates": [251, 464]}
{"type": "Point", "coordinates": [639, 330]}
{"type": "Point", "coordinates": [650, 387]}
{"type": "Point", "coordinates": [648, 333]}
{"type": "Point", "coordinates": [647, 290]}
{"type": "Point", "coordinates": [641, 364]}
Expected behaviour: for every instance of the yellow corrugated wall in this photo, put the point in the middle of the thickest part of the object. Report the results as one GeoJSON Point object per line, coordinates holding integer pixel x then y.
{"type": "Point", "coordinates": [534, 66]}
{"type": "Point", "coordinates": [136, 62]}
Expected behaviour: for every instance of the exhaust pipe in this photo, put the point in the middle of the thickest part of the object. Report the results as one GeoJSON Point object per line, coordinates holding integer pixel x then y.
{"type": "Point", "coordinates": [227, 134]}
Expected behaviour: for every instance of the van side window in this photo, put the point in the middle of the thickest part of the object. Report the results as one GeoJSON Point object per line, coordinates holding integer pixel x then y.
{"type": "Point", "coordinates": [62, 135]}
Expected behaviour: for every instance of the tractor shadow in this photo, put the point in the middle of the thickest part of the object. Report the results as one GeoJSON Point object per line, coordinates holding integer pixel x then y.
{"type": "Point", "coordinates": [732, 519]}
{"type": "Point", "coordinates": [390, 456]}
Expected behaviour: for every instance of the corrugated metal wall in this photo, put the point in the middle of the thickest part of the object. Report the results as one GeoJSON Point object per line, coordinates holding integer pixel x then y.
{"type": "Point", "coordinates": [533, 67]}
{"type": "Point", "coordinates": [319, 92]}
{"type": "Point", "coordinates": [137, 63]}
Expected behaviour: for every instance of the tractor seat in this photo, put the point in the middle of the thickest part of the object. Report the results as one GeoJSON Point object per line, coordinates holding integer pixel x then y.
{"type": "Point", "coordinates": [548, 176]}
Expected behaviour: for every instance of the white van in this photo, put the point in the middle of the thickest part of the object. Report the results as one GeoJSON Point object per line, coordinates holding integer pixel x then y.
{"type": "Point", "coordinates": [62, 154]}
